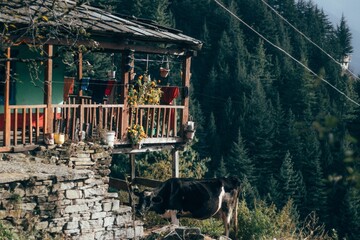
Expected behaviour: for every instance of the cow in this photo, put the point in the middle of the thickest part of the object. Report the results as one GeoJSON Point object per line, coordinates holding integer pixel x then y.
{"type": "Point", "coordinates": [193, 198]}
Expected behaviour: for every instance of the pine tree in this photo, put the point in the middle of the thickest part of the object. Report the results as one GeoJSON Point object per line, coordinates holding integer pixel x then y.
{"type": "Point", "coordinates": [292, 184]}
{"type": "Point", "coordinates": [238, 163]}
{"type": "Point", "coordinates": [344, 36]}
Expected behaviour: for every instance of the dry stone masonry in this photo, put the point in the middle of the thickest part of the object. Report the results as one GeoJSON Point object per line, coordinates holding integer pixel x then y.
{"type": "Point", "coordinates": [63, 193]}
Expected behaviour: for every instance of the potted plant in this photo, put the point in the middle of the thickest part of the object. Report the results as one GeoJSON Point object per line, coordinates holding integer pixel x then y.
{"type": "Point", "coordinates": [135, 134]}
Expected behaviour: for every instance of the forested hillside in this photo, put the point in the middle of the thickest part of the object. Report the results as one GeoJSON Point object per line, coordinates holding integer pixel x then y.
{"type": "Point", "coordinates": [262, 116]}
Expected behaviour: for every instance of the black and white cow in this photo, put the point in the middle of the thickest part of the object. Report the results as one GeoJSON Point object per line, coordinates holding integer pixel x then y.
{"type": "Point", "coordinates": [194, 198]}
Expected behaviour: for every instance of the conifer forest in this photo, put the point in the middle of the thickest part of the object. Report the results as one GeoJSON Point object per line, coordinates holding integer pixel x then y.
{"type": "Point", "coordinates": [288, 133]}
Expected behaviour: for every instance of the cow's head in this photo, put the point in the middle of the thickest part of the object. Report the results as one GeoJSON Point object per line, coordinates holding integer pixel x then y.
{"type": "Point", "coordinates": [147, 201]}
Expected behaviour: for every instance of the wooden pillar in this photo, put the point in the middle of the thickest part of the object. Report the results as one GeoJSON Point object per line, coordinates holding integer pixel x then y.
{"type": "Point", "coordinates": [132, 169]}
{"type": "Point", "coordinates": [80, 70]}
{"type": "Point", "coordinates": [48, 89]}
{"type": "Point", "coordinates": [7, 115]}
{"type": "Point", "coordinates": [126, 61]}
{"type": "Point", "coordinates": [186, 86]}
{"type": "Point", "coordinates": [175, 163]}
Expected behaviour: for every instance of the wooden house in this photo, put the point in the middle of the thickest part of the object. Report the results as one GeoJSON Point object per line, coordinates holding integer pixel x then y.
{"type": "Point", "coordinates": [37, 31]}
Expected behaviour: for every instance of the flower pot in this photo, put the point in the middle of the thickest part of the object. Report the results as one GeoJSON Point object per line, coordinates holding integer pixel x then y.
{"type": "Point", "coordinates": [164, 72]}
{"type": "Point", "coordinates": [110, 138]}
{"type": "Point", "coordinates": [190, 135]}
{"type": "Point", "coordinates": [59, 138]}
{"type": "Point", "coordinates": [111, 74]}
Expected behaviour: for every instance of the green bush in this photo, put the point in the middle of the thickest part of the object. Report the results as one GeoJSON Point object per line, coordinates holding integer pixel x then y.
{"type": "Point", "coordinates": [267, 222]}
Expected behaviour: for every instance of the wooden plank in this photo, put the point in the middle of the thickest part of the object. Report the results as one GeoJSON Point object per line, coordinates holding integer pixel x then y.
{"type": "Point", "coordinates": [81, 117]}
{"type": "Point", "coordinates": [168, 123]}
{"type": "Point", "coordinates": [186, 84]}
{"type": "Point", "coordinates": [7, 120]}
{"type": "Point", "coordinates": [112, 112]}
{"type": "Point", "coordinates": [147, 116]}
{"type": "Point", "coordinates": [105, 116]}
{"type": "Point", "coordinates": [45, 122]}
{"type": "Point", "coordinates": [101, 121]}
{"type": "Point", "coordinates": [146, 182]}
{"type": "Point", "coordinates": [30, 127]}
{"type": "Point", "coordinates": [163, 122]}
{"type": "Point", "coordinates": [152, 122]}
{"type": "Point", "coordinates": [23, 126]}
{"type": "Point", "coordinates": [125, 78]}
{"type": "Point", "coordinates": [5, 149]}
{"type": "Point", "coordinates": [80, 67]}
{"type": "Point", "coordinates": [48, 88]}
{"type": "Point", "coordinates": [15, 126]}
{"type": "Point", "coordinates": [118, 184]}
{"type": "Point", "coordinates": [158, 122]}
{"type": "Point", "coordinates": [132, 164]}
{"type": "Point", "coordinates": [37, 131]}
{"type": "Point", "coordinates": [175, 163]}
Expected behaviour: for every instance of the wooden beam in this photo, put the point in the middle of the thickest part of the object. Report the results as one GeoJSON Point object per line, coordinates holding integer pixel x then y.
{"type": "Point", "coordinates": [132, 169]}
{"type": "Point", "coordinates": [7, 114]}
{"type": "Point", "coordinates": [186, 84]}
{"type": "Point", "coordinates": [80, 70]}
{"type": "Point", "coordinates": [127, 60]}
{"type": "Point", "coordinates": [175, 163]}
{"type": "Point", "coordinates": [48, 89]}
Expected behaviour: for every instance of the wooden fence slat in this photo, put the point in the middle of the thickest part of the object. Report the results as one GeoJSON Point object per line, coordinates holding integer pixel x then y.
{"type": "Point", "coordinates": [15, 126]}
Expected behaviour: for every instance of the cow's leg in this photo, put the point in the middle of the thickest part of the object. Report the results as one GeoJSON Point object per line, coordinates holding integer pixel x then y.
{"type": "Point", "coordinates": [225, 222]}
{"type": "Point", "coordinates": [174, 219]}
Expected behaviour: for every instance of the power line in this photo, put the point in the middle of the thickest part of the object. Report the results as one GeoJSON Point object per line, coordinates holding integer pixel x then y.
{"type": "Point", "coordinates": [286, 53]}
{"type": "Point", "coordinates": [307, 38]}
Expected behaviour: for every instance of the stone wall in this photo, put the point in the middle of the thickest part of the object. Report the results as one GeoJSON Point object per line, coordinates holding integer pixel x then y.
{"type": "Point", "coordinates": [63, 192]}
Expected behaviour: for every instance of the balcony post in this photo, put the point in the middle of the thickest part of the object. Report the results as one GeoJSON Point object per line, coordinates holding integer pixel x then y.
{"type": "Point", "coordinates": [186, 85]}
{"type": "Point", "coordinates": [127, 66]}
{"type": "Point", "coordinates": [80, 72]}
{"type": "Point", "coordinates": [7, 115]}
{"type": "Point", "coordinates": [175, 163]}
{"type": "Point", "coordinates": [48, 89]}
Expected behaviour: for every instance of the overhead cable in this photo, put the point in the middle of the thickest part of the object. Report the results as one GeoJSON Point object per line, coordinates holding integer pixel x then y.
{"type": "Point", "coordinates": [286, 53]}
{"type": "Point", "coordinates": [307, 38]}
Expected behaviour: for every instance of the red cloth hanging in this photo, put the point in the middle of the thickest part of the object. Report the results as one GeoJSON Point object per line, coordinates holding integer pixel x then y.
{"type": "Point", "coordinates": [169, 94]}
{"type": "Point", "coordinates": [109, 87]}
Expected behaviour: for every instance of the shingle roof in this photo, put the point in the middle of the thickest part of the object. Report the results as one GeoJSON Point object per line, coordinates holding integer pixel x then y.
{"type": "Point", "coordinates": [64, 16]}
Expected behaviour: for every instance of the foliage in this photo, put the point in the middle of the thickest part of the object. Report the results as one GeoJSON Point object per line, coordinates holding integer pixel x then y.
{"type": "Point", "coordinates": [144, 91]}
{"type": "Point", "coordinates": [6, 233]}
{"type": "Point", "coordinates": [136, 133]}
{"type": "Point", "coordinates": [267, 222]}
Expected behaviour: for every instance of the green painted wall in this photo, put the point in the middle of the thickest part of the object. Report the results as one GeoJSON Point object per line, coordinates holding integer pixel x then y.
{"type": "Point", "coordinates": [30, 90]}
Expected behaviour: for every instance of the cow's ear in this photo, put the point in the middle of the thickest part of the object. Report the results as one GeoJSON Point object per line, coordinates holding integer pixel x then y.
{"type": "Point", "coordinates": [156, 199]}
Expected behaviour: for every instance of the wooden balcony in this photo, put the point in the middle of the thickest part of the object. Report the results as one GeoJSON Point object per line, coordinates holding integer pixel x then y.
{"type": "Point", "coordinates": [162, 123]}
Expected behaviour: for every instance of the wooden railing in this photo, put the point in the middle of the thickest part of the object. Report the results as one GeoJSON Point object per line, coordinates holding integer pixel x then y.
{"type": "Point", "coordinates": [79, 120]}
{"type": "Point", "coordinates": [26, 124]}
{"type": "Point", "coordinates": [158, 121]}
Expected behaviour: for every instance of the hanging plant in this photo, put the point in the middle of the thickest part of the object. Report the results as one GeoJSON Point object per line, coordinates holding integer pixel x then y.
{"type": "Point", "coordinates": [164, 71]}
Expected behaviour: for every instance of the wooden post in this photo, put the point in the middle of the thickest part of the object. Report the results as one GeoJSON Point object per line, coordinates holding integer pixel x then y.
{"type": "Point", "coordinates": [186, 85]}
{"type": "Point", "coordinates": [132, 164]}
{"type": "Point", "coordinates": [175, 163]}
{"type": "Point", "coordinates": [80, 71]}
{"type": "Point", "coordinates": [7, 115]}
{"type": "Point", "coordinates": [126, 75]}
{"type": "Point", "coordinates": [48, 89]}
